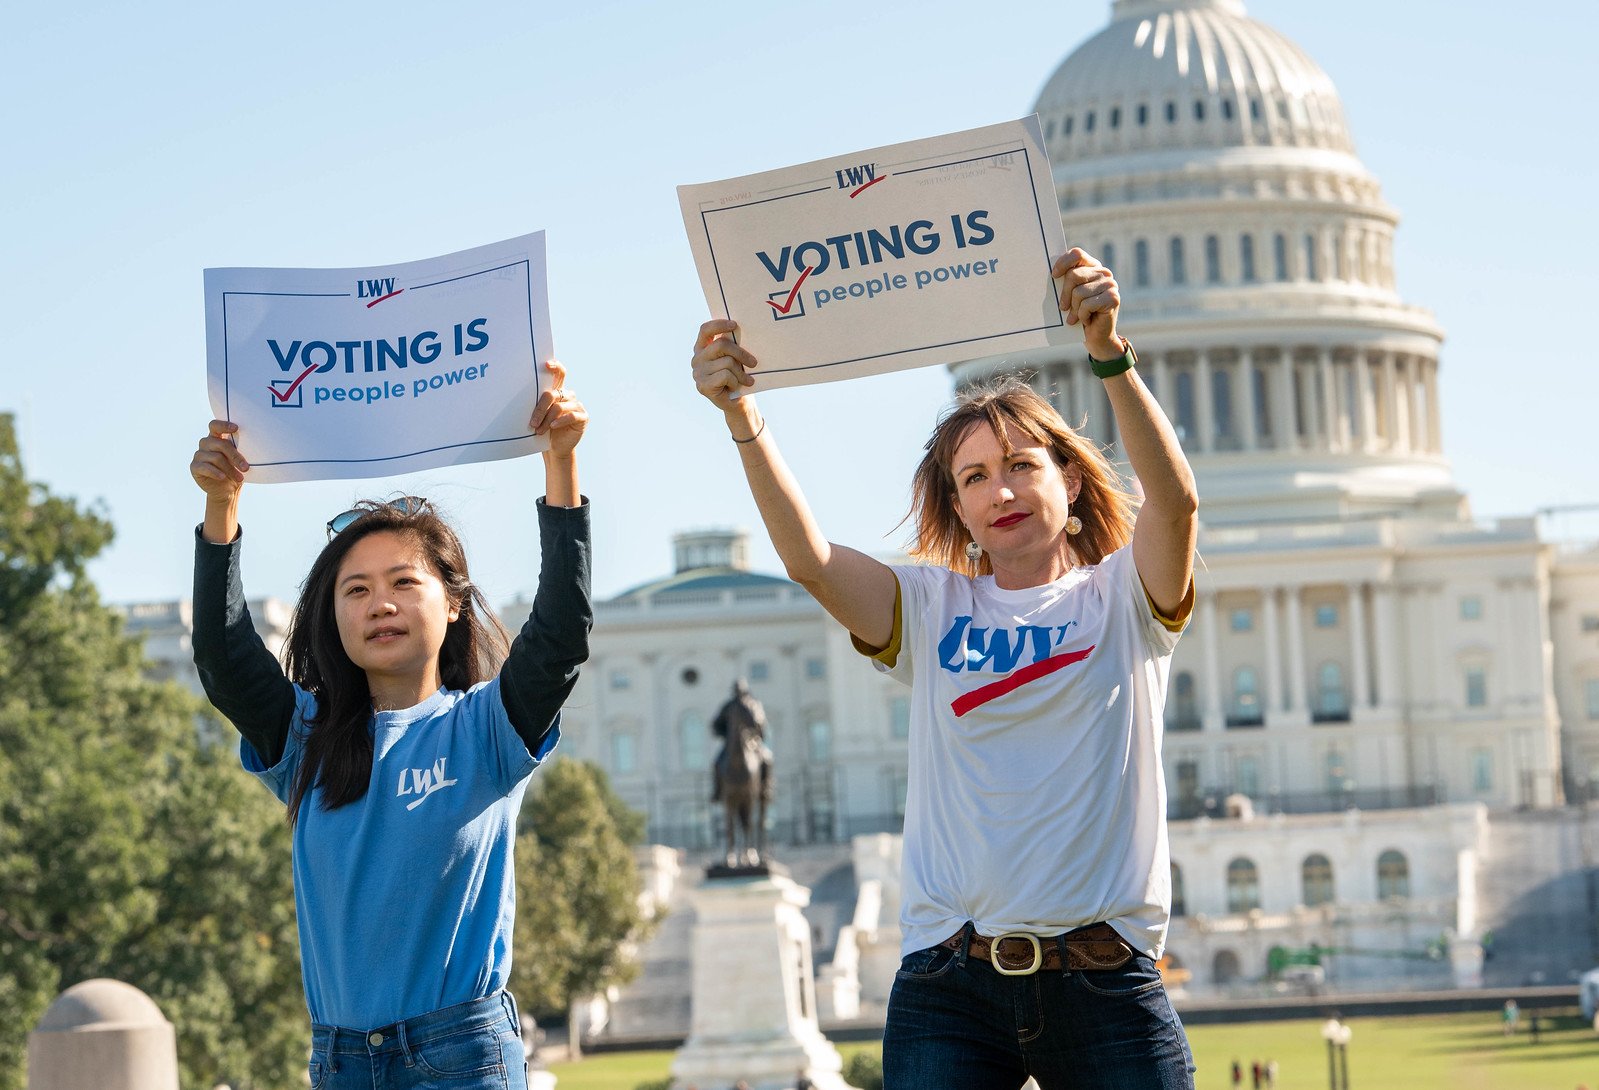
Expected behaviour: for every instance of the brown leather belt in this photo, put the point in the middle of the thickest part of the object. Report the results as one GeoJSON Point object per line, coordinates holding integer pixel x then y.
{"type": "Point", "coordinates": [1097, 946]}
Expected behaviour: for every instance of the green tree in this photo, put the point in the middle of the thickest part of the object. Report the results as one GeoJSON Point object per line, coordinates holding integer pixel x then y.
{"type": "Point", "coordinates": [128, 849]}
{"type": "Point", "coordinates": [576, 891]}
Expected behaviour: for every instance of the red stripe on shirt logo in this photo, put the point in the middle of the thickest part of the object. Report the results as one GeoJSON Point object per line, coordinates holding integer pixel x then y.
{"type": "Point", "coordinates": [1029, 673]}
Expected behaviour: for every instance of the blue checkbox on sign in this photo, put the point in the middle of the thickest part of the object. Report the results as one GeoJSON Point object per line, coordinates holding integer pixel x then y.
{"type": "Point", "coordinates": [789, 304]}
{"type": "Point", "coordinates": [786, 304]}
{"type": "Point", "coordinates": [287, 394]}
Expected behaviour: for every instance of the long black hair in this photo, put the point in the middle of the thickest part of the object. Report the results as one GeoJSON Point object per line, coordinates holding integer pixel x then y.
{"type": "Point", "coordinates": [337, 749]}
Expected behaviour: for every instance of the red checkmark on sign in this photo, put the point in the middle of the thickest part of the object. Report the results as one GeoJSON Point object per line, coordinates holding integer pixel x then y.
{"type": "Point", "coordinates": [293, 386]}
{"type": "Point", "coordinates": [787, 304]}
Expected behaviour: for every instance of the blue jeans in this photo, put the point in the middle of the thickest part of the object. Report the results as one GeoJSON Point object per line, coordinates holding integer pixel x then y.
{"type": "Point", "coordinates": [470, 1046]}
{"type": "Point", "coordinates": [956, 1024]}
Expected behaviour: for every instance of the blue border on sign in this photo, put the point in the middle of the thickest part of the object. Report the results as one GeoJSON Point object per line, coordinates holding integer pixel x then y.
{"type": "Point", "coordinates": [527, 279]}
{"type": "Point", "coordinates": [1042, 238]}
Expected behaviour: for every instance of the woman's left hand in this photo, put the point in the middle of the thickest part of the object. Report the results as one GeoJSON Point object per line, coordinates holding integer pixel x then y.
{"type": "Point", "coordinates": [559, 414]}
{"type": "Point", "coordinates": [1090, 298]}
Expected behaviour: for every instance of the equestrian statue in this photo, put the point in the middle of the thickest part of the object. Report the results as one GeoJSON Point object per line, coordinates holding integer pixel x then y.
{"type": "Point", "coordinates": [742, 774]}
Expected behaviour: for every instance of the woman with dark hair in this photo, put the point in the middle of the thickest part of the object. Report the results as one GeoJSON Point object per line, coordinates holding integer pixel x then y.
{"type": "Point", "coordinates": [1036, 639]}
{"type": "Point", "coordinates": [401, 747]}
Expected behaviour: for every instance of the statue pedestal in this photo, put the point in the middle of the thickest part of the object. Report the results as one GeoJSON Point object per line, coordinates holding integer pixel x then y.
{"type": "Point", "coordinates": [754, 1003]}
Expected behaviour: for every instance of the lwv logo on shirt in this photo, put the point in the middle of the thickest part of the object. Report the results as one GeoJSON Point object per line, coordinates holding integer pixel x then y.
{"type": "Point", "coordinates": [422, 782]}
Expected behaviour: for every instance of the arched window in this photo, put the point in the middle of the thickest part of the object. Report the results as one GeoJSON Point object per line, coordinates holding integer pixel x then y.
{"type": "Point", "coordinates": [1199, 109]}
{"type": "Point", "coordinates": [821, 740]}
{"type": "Point", "coordinates": [1171, 113]}
{"type": "Point", "coordinates": [1227, 108]}
{"type": "Point", "coordinates": [624, 753]}
{"type": "Point", "coordinates": [1263, 415]}
{"type": "Point", "coordinates": [1185, 406]}
{"type": "Point", "coordinates": [1337, 770]}
{"type": "Point", "coordinates": [693, 741]}
{"type": "Point", "coordinates": [1248, 779]}
{"type": "Point", "coordinates": [1107, 255]}
{"type": "Point", "coordinates": [1316, 880]}
{"type": "Point", "coordinates": [1332, 698]}
{"type": "Point", "coordinates": [1279, 257]}
{"type": "Point", "coordinates": [1310, 256]}
{"type": "Point", "coordinates": [1143, 114]}
{"type": "Point", "coordinates": [1243, 885]}
{"type": "Point", "coordinates": [1179, 900]}
{"type": "Point", "coordinates": [1221, 405]}
{"type": "Point", "coordinates": [1184, 708]}
{"type": "Point", "coordinates": [1246, 697]}
{"type": "Point", "coordinates": [1141, 263]}
{"type": "Point", "coordinates": [1212, 259]}
{"type": "Point", "coordinates": [1246, 258]}
{"type": "Point", "coordinates": [1088, 121]}
{"type": "Point", "coordinates": [899, 716]}
{"type": "Point", "coordinates": [1482, 771]}
{"type": "Point", "coordinates": [1224, 968]}
{"type": "Point", "coordinates": [1476, 686]}
{"type": "Point", "coordinates": [1115, 117]}
{"type": "Point", "coordinates": [1393, 875]}
{"type": "Point", "coordinates": [1179, 267]}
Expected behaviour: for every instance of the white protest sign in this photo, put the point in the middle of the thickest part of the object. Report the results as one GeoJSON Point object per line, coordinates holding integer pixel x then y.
{"type": "Point", "coordinates": [930, 252]}
{"type": "Point", "coordinates": [368, 372]}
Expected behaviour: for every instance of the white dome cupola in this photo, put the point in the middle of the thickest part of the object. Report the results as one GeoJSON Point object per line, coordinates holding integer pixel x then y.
{"type": "Point", "coordinates": [1205, 158]}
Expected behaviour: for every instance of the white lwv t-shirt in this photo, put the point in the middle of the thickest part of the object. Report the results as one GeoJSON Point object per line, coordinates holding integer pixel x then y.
{"type": "Point", "coordinates": [1036, 801]}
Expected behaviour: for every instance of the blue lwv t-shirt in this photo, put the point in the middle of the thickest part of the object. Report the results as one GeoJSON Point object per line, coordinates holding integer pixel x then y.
{"type": "Point", "coordinates": [406, 896]}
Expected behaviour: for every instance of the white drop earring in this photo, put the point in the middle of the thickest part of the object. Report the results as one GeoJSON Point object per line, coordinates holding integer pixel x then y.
{"type": "Point", "coordinates": [974, 551]}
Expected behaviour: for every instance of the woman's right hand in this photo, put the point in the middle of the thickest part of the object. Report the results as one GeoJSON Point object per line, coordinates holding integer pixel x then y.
{"type": "Point", "coordinates": [722, 366]}
{"type": "Point", "coordinates": [218, 467]}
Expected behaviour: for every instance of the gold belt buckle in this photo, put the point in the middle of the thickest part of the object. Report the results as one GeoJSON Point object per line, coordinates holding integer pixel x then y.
{"type": "Point", "coordinates": [1030, 969]}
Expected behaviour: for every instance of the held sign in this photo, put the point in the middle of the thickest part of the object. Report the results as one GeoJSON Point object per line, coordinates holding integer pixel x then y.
{"type": "Point", "coordinates": [370, 372]}
{"type": "Point", "coordinates": [931, 252]}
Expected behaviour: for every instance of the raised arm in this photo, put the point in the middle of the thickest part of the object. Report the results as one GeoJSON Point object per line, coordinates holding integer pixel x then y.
{"type": "Point", "coordinates": [542, 667]}
{"type": "Point", "coordinates": [240, 676]}
{"type": "Point", "coordinates": [1168, 521]}
{"type": "Point", "coordinates": [855, 589]}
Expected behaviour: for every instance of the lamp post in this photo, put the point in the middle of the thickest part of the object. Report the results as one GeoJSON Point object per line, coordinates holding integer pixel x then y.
{"type": "Point", "coordinates": [1344, 1034]}
{"type": "Point", "coordinates": [1337, 1036]}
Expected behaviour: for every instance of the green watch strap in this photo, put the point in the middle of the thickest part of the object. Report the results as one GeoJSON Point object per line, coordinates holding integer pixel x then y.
{"type": "Point", "coordinates": [1111, 368]}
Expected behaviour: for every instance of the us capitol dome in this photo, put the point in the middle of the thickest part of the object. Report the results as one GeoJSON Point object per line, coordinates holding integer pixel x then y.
{"type": "Point", "coordinates": [1205, 158]}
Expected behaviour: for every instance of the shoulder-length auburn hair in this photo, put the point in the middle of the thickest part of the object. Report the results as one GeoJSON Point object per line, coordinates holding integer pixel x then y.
{"type": "Point", "coordinates": [1104, 506]}
{"type": "Point", "coordinates": [337, 748]}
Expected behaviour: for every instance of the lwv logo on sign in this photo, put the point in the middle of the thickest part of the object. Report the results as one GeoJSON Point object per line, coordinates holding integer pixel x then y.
{"type": "Point", "coordinates": [858, 178]}
{"type": "Point", "coordinates": [422, 782]}
{"type": "Point", "coordinates": [376, 290]}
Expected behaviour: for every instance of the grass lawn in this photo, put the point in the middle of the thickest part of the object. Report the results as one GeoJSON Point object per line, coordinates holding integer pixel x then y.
{"type": "Point", "coordinates": [1424, 1052]}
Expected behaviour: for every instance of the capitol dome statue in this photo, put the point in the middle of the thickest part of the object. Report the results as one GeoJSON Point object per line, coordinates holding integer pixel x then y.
{"type": "Point", "coordinates": [1206, 159]}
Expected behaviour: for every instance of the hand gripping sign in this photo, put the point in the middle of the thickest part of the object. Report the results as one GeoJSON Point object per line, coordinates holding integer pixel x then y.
{"type": "Point", "coordinates": [369, 372]}
{"type": "Point", "coordinates": [931, 252]}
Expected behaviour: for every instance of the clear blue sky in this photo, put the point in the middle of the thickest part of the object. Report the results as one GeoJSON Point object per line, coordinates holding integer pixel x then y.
{"type": "Point", "coordinates": [146, 142]}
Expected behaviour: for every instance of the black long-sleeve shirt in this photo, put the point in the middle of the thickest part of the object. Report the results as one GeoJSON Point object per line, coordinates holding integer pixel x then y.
{"type": "Point", "coordinates": [247, 685]}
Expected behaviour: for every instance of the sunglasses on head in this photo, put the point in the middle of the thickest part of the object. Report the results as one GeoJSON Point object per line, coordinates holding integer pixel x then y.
{"type": "Point", "coordinates": [406, 505]}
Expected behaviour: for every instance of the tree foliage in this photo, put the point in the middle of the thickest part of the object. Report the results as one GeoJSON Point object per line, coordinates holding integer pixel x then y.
{"type": "Point", "coordinates": [577, 889]}
{"type": "Point", "coordinates": [128, 849]}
